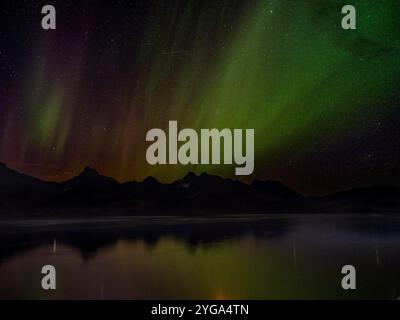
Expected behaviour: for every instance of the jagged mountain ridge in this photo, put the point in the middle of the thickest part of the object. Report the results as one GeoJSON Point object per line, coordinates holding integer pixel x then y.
{"type": "Point", "coordinates": [96, 194]}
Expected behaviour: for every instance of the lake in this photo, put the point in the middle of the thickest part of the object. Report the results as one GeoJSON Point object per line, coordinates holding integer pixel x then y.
{"type": "Point", "coordinates": [229, 257]}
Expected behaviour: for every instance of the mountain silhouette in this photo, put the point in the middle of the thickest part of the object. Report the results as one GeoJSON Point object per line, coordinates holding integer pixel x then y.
{"type": "Point", "coordinates": [367, 199]}
{"type": "Point", "coordinates": [20, 193]}
{"type": "Point", "coordinates": [274, 190]}
{"type": "Point", "coordinates": [92, 194]}
{"type": "Point", "coordinates": [12, 179]}
{"type": "Point", "coordinates": [89, 178]}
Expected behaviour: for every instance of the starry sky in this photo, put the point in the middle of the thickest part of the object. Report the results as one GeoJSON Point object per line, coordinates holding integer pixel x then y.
{"type": "Point", "coordinates": [324, 102]}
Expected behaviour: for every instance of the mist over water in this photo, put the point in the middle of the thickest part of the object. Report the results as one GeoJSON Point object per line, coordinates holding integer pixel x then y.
{"type": "Point", "coordinates": [241, 257]}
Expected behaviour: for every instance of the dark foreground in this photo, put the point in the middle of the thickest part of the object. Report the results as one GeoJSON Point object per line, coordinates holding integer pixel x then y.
{"type": "Point", "coordinates": [229, 257]}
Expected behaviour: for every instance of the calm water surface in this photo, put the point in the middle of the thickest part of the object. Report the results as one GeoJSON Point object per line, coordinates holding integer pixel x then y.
{"type": "Point", "coordinates": [257, 257]}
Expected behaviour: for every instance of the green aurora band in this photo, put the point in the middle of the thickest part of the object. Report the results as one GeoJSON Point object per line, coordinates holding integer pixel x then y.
{"type": "Point", "coordinates": [286, 68]}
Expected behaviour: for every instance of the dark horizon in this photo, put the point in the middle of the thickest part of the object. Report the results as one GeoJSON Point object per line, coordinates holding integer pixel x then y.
{"type": "Point", "coordinates": [91, 194]}
{"type": "Point", "coordinates": [248, 182]}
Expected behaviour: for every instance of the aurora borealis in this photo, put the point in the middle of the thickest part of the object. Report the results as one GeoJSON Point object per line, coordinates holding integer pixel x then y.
{"type": "Point", "coordinates": [324, 102]}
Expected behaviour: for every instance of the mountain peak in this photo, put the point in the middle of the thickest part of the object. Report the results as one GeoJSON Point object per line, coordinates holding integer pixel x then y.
{"type": "Point", "coordinates": [190, 176]}
{"type": "Point", "coordinates": [3, 167]}
{"type": "Point", "coordinates": [89, 171]}
{"type": "Point", "coordinates": [151, 180]}
{"type": "Point", "coordinates": [90, 176]}
{"type": "Point", "coordinates": [9, 177]}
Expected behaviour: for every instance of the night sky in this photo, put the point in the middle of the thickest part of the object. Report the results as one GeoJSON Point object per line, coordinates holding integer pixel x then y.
{"type": "Point", "coordinates": [324, 102]}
